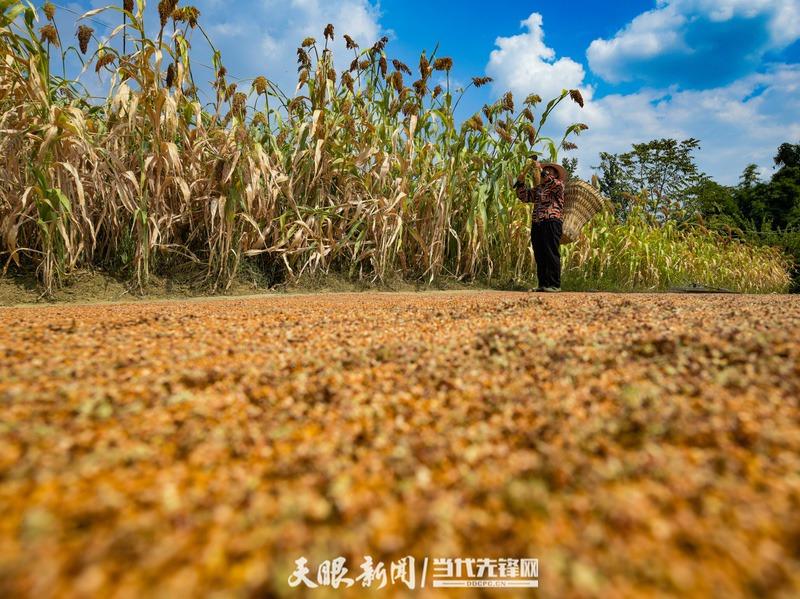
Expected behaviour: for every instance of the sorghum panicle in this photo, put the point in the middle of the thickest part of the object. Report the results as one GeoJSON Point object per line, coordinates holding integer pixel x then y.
{"type": "Point", "coordinates": [84, 35]}
{"type": "Point", "coordinates": [50, 35]}
{"type": "Point", "coordinates": [442, 64]}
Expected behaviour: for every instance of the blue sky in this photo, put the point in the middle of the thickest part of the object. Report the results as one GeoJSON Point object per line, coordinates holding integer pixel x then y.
{"type": "Point", "coordinates": [724, 71]}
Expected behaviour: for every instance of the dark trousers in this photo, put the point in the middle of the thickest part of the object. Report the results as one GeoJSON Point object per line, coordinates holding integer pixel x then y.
{"type": "Point", "coordinates": [546, 240]}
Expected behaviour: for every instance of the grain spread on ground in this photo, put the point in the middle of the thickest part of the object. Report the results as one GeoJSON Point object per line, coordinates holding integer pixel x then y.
{"type": "Point", "coordinates": [633, 444]}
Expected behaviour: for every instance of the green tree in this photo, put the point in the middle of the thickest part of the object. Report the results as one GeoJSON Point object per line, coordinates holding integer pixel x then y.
{"type": "Point", "coordinates": [774, 205]}
{"type": "Point", "coordinates": [788, 155]}
{"type": "Point", "coordinates": [771, 210]}
{"type": "Point", "coordinates": [750, 177]}
{"type": "Point", "coordinates": [717, 204]}
{"type": "Point", "coordinates": [784, 195]}
{"type": "Point", "coordinates": [570, 165]}
{"type": "Point", "coordinates": [614, 183]}
{"type": "Point", "coordinates": [662, 170]}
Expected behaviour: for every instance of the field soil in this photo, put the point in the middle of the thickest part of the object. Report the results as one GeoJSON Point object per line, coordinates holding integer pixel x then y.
{"type": "Point", "coordinates": [637, 445]}
{"type": "Point", "coordinates": [97, 286]}
{"type": "Point", "coordinates": [101, 287]}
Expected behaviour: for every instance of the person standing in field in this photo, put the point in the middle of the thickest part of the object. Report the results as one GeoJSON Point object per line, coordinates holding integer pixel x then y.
{"type": "Point", "coordinates": [546, 229]}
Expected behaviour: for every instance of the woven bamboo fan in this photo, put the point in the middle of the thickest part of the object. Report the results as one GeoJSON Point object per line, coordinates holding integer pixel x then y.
{"type": "Point", "coordinates": [581, 203]}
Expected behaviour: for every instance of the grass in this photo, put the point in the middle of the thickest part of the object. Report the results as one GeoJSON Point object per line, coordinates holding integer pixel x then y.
{"type": "Point", "coordinates": [645, 255]}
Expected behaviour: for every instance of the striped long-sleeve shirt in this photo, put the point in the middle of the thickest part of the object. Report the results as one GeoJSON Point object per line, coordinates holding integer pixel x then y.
{"type": "Point", "coordinates": [547, 200]}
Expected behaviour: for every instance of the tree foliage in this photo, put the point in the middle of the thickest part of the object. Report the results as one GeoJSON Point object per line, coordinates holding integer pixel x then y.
{"type": "Point", "coordinates": [661, 171]}
{"type": "Point", "coordinates": [614, 184]}
{"type": "Point", "coordinates": [717, 205]}
{"type": "Point", "coordinates": [773, 205]}
{"type": "Point", "coordinates": [661, 175]}
{"type": "Point", "coordinates": [765, 212]}
{"type": "Point", "coordinates": [788, 155]}
{"type": "Point", "coordinates": [570, 165]}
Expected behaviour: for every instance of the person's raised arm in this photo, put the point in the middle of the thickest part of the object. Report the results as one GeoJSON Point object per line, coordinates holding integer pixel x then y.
{"type": "Point", "coordinates": [524, 193]}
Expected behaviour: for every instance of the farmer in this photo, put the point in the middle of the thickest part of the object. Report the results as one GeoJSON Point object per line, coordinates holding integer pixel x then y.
{"type": "Point", "coordinates": [548, 212]}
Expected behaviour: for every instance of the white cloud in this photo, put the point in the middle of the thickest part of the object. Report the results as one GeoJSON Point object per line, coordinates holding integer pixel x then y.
{"type": "Point", "coordinates": [783, 15]}
{"type": "Point", "coordinates": [681, 36]}
{"type": "Point", "coordinates": [649, 34]}
{"type": "Point", "coordinates": [255, 37]}
{"type": "Point", "coordinates": [260, 37]}
{"type": "Point", "coordinates": [734, 129]}
{"type": "Point", "coordinates": [524, 64]}
{"type": "Point", "coordinates": [738, 123]}
{"type": "Point", "coordinates": [226, 29]}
